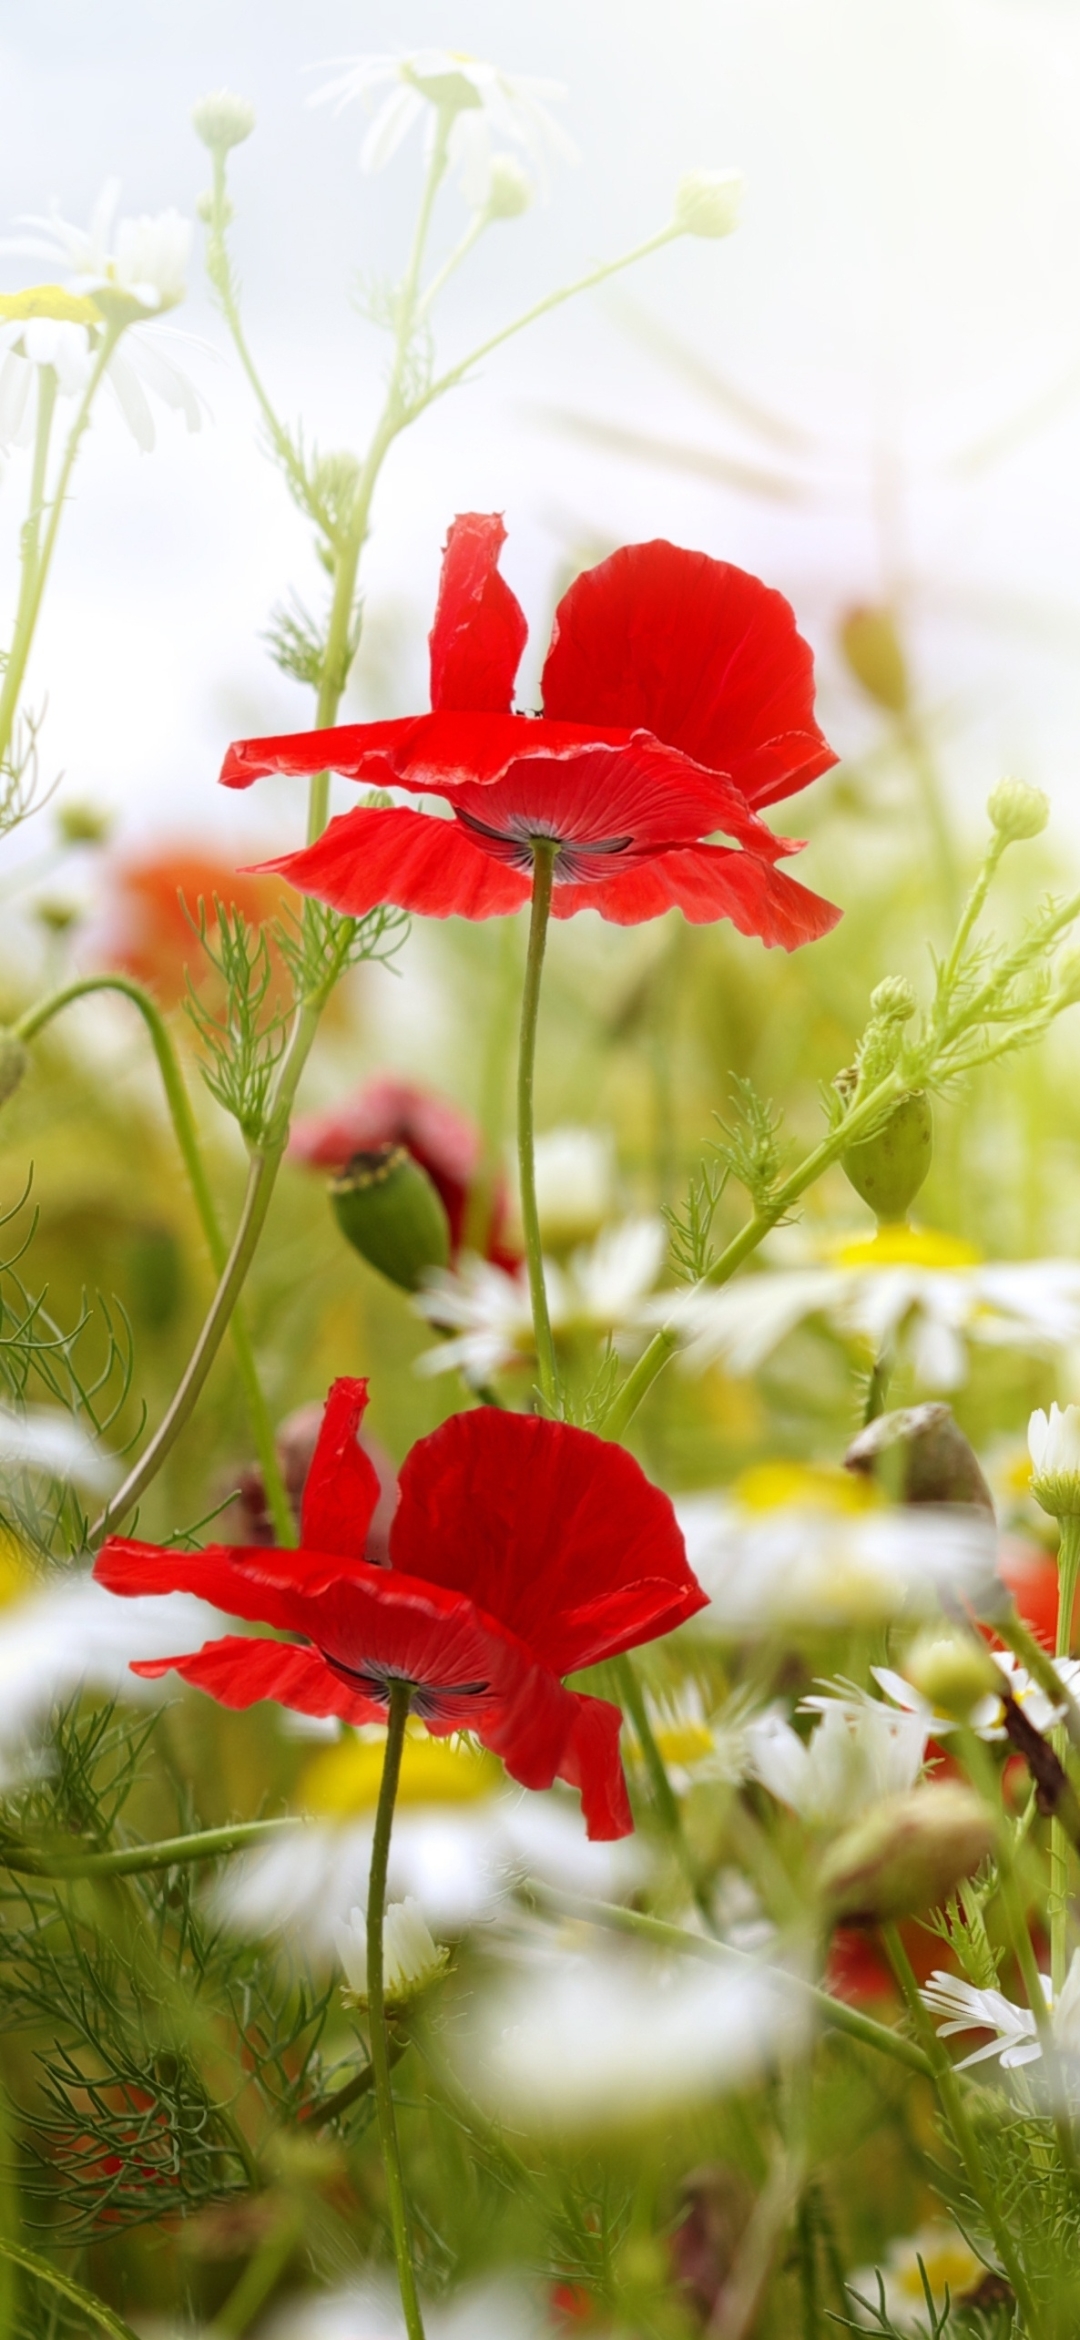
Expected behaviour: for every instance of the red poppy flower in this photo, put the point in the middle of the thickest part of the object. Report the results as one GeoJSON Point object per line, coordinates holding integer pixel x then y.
{"type": "Point", "coordinates": [444, 1141]}
{"type": "Point", "coordinates": [520, 1551]}
{"type": "Point", "coordinates": [678, 699]}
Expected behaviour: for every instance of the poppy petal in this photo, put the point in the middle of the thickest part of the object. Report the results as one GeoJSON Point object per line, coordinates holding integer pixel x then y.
{"type": "Point", "coordinates": [698, 652]}
{"type": "Point", "coordinates": [425, 752]}
{"type": "Point", "coordinates": [238, 1670]}
{"type": "Point", "coordinates": [707, 882]}
{"type": "Point", "coordinates": [264, 1583]}
{"type": "Point", "coordinates": [553, 1531]}
{"type": "Point", "coordinates": [410, 859]}
{"type": "Point", "coordinates": [342, 1487]}
{"type": "Point", "coordinates": [480, 630]}
{"type": "Point", "coordinates": [592, 1763]}
{"type": "Point", "coordinates": [646, 794]}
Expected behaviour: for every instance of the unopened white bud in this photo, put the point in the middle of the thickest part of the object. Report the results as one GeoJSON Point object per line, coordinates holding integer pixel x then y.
{"type": "Point", "coordinates": [1017, 811]}
{"type": "Point", "coordinates": [954, 1672]}
{"type": "Point", "coordinates": [222, 120]}
{"type": "Point", "coordinates": [1054, 1447]}
{"type": "Point", "coordinates": [708, 203]}
{"type": "Point", "coordinates": [510, 189]}
{"type": "Point", "coordinates": [412, 1959]}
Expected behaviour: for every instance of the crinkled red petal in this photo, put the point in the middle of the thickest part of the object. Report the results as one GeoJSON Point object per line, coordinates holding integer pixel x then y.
{"type": "Point", "coordinates": [428, 753]}
{"type": "Point", "coordinates": [409, 859]}
{"type": "Point", "coordinates": [707, 882]}
{"type": "Point", "coordinates": [238, 1670]}
{"type": "Point", "coordinates": [553, 1531]}
{"type": "Point", "coordinates": [342, 1485]}
{"type": "Point", "coordinates": [593, 1764]}
{"type": "Point", "coordinates": [641, 791]}
{"type": "Point", "coordinates": [261, 1582]}
{"type": "Point", "coordinates": [480, 630]}
{"type": "Point", "coordinates": [698, 652]}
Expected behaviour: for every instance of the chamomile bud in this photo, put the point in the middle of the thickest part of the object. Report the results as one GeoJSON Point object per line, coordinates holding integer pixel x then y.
{"type": "Point", "coordinates": [906, 1855]}
{"type": "Point", "coordinates": [1018, 812]}
{"type": "Point", "coordinates": [13, 1063]}
{"type": "Point", "coordinates": [953, 1671]}
{"type": "Point", "coordinates": [222, 120]}
{"type": "Point", "coordinates": [708, 203]}
{"type": "Point", "coordinates": [892, 1000]}
{"type": "Point", "coordinates": [1054, 1447]}
{"type": "Point", "coordinates": [412, 1959]}
{"type": "Point", "coordinates": [83, 824]}
{"type": "Point", "coordinates": [389, 1210]}
{"type": "Point", "coordinates": [510, 189]}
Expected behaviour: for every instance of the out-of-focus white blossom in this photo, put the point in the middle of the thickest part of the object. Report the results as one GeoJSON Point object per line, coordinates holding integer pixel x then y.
{"type": "Point", "coordinates": [926, 1294]}
{"type": "Point", "coordinates": [496, 2311]}
{"type": "Point", "coordinates": [510, 189]}
{"type": "Point", "coordinates": [575, 1185]}
{"type": "Point", "coordinates": [987, 1718]}
{"type": "Point", "coordinates": [952, 2269]}
{"type": "Point", "coordinates": [484, 105]}
{"type": "Point", "coordinates": [599, 1291]}
{"type": "Point", "coordinates": [70, 1633]}
{"type": "Point", "coordinates": [578, 2041]}
{"type": "Point", "coordinates": [1054, 1447]}
{"type": "Point", "coordinates": [146, 257]}
{"type": "Point", "coordinates": [859, 1753]}
{"type": "Point", "coordinates": [709, 203]}
{"type": "Point", "coordinates": [412, 1959]}
{"type": "Point", "coordinates": [46, 1439]}
{"type": "Point", "coordinates": [1015, 2040]}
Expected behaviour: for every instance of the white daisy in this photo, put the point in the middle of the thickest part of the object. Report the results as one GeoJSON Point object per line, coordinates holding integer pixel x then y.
{"type": "Point", "coordinates": [412, 1959]}
{"type": "Point", "coordinates": [487, 108]}
{"type": "Point", "coordinates": [859, 1753]}
{"type": "Point", "coordinates": [575, 1185]}
{"type": "Point", "coordinates": [987, 1717]}
{"type": "Point", "coordinates": [926, 1294]}
{"type": "Point", "coordinates": [497, 2311]}
{"type": "Point", "coordinates": [597, 1293]}
{"type": "Point", "coordinates": [70, 1634]}
{"type": "Point", "coordinates": [952, 2269]}
{"type": "Point", "coordinates": [965, 2008]}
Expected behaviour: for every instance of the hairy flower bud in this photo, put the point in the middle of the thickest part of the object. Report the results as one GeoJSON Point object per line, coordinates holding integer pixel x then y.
{"type": "Point", "coordinates": [510, 189]}
{"type": "Point", "coordinates": [1054, 1447]}
{"type": "Point", "coordinates": [222, 120]}
{"type": "Point", "coordinates": [888, 1168]}
{"type": "Point", "coordinates": [920, 1456]}
{"type": "Point", "coordinates": [954, 1671]}
{"type": "Point", "coordinates": [1018, 812]}
{"type": "Point", "coordinates": [13, 1062]}
{"type": "Point", "coordinates": [389, 1210]}
{"type": "Point", "coordinates": [892, 1000]}
{"type": "Point", "coordinates": [906, 1855]}
{"type": "Point", "coordinates": [708, 203]}
{"type": "Point", "coordinates": [871, 648]}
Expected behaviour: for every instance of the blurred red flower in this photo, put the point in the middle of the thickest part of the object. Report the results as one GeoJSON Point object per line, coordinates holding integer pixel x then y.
{"type": "Point", "coordinates": [443, 1140]}
{"type": "Point", "coordinates": [155, 899]}
{"type": "Point", "coordinates": [520, 1551]}
{"type": "Point", "coordinates": [678, 699]}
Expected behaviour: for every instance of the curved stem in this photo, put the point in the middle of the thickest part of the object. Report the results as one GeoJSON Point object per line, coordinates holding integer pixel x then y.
{"type": "Point", "coordinates": [400, 1699]}
{"type": "Point", "coordinates": [183, 1121]}
{"type": "Point", "coordinates": [964, 2137]}
{"type": "Point", "coordinates": [1068, 1573]}
{"type": "Point", "coordinates": [664, 1798]}
{"type": "Point", "coordinates": [543, 879]}
{"type": "Point", "coordinates": [136, 1860]}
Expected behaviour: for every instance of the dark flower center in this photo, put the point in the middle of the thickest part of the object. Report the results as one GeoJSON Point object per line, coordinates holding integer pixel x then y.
{"type": "Point", "coordinates": [514, 844]}
{"type": "Point", "coordinates": [431, 1701]}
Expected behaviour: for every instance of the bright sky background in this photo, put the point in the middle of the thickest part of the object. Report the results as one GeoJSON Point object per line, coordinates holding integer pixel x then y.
{"type": "Point", "coordinates": [906, 283]}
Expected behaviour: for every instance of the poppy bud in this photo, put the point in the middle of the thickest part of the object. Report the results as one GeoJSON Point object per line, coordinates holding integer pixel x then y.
{"type": "Point", "coordinates": [919, 1455]}
{"type": "Point", "coordinates": [907, 1854]}
{"type": "Point", "coordinates": [388, 1209]}
{"type": "Point", "coordinates": [708, 203]}
{"type": "Point", "coordinates": [871, 647]}
{"type": "Point", "coordinates": [1018, 812]}
{"type": "Point", "coordinates": [13, 1063]}
{"type": "Point", "coordinates": [888, 1168]}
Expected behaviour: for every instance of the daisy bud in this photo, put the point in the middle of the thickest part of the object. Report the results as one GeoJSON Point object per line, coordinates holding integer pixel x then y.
{"type": "Point", "coordinates": [510, 189]}
{"type": "Point", "coordinates": [888, 1168]}
{"type": "Point", "coordinates": [892, 1000]}
{"type": "Point", "coordinates": [1018, 812]}
{"type": "Point", "coordinates": [412, 1959]}
{"type": "Point", "coordinates": [13, 1063]}
{"type": "Point", "coordinates": [389, 1210]}
{"type": "Point", "coordinates": [83, 824]}
{"type": "Point", "coordinates": [1054, 1447]}
{"type": "Point", "coordinates": [953, 1671]}
{"type": "Point", "coordinates": [919, 1455]}
{"type": "Point", "coordinates": [222, 120]}
{"type": "Point", "coordinates": [871, 648]}
{"type": "Point", "coordinates": [708, 203]}
{"type": "Point", "coordinates": [906, 1855]}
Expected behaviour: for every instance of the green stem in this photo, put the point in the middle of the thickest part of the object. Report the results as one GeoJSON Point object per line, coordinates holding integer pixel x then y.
{"type": "Point", "coordinates": [400, 1699]}
{"type": "Point", "coordinates": [835, 2013]}
{"type": "Point", "coordinates": [183, 1122]}
{"type": "Point", "coordinates": [47, 388]}
{"type": "Point", "coordinates": [877, 1388]}
{"type": "Point", "coordinates": [1068, 1573]}
{"type": "Point", "coordinates": [543, 880]}
{"type": "Point", "coordinates": [259, 2279]}
{"type": "Point", "coordinates": [136, 1860]}
{"type": "Point", "coordinates": [104, 2319]}
{"type": "Point", "coordinates": [964, 2137]}
{"type": "Point", "coordinates": [664, 1798]}
{"type": "Point", "coordinates": [36, 569]}
{"type": "Point", "coordinates": [914, 744]}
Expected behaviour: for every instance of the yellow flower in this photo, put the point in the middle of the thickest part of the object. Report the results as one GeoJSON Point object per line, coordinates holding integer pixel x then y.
{"type": "Point", "coordinates": [904, 1246]}
{"type": "Point", "coordinates": [50, 300]}
{"type": "Point", "coordinates": [774, 1486]}
{"type": "Point", "coordinates": [345, 1778]}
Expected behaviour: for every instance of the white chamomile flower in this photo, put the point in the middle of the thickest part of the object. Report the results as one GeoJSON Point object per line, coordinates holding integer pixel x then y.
{"type": "Point", "coordinates": [964, 2008]}
{"type": "Point", "coordinates": [952, 2268]}
{"type": "Point", "coordinates": [575, 1185]}
{"type": "Point", "coordinates": [1054, 1447]}
{"type": "Point", "coordinates": [858, 1754]}
{"type": "Point", "coordinates": [412, 1959]}
{"type": "Point", "coordinates": [486, 108]}
{"type": "Point", "coordinates": [926, 1294]}
{"type": "Point", "coordinates": [987, 1717]}
{"type": "Point", "coordinates": [371, 2310]}
{"type": "Point", "coordinates": [598, 1293]}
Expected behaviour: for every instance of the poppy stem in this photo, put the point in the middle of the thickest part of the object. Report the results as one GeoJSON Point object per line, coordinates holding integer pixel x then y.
{"type": "Point", "coordinates": [400, 1699]}
{"type": "Point", "coordinates": [1068, 1572]}
{"type": "Point", "coordinates": [543, 851]}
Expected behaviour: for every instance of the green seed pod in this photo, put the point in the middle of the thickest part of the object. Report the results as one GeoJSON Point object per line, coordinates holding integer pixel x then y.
{"type": "Point", "coordinates": [388, 1209]}
{"type": "Point", "coordinates": [871, 648]}
{"type": "Point", "coordinates": [13, 1063]}
{"type": "Point", "coordinates": [906, 1855]}
{"type": "Point", "coordinates": [888, 1169]}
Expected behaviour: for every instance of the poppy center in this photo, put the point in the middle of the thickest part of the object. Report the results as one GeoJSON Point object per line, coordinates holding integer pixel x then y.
{"type": "Point", "coordinates": [513, 843]}
{"type": "Point", "coordinates": [431, 1701]}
